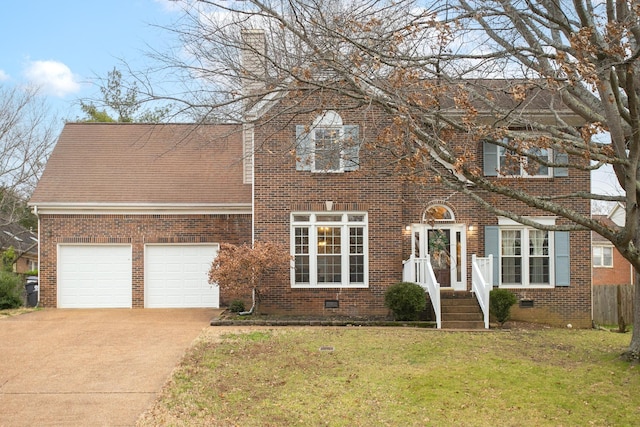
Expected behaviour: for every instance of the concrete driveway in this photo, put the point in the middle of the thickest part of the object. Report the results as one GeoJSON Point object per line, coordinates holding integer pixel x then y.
{"type": "Point", "coordinates": [90, 367]}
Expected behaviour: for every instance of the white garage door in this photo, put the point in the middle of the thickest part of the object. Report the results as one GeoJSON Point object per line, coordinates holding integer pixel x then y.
{"type": "Point", "coordinates": [94, 276]}
{"type": "Point", "coordinates": [176, 276]}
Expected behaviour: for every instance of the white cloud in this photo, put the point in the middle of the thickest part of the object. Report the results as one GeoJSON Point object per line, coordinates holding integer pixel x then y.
{"type": "Point", "coordinates": [53, 78]}
{"type": "Point", "coordinates": [170, 5]}
{"type": "Point", "coordinates": [3, 76]}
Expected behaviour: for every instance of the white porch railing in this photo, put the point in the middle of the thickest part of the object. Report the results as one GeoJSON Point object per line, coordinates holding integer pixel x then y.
{"type": "Point", "coordinates": [419, 270]}
{"type": "Point", "coordinates": [481, 283]}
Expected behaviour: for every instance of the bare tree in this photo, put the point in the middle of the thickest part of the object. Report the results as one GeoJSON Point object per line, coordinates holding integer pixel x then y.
{"type": "Point", "coordinates": [27, 134]}
{"type": "Point", "coordinates": [480, 67]}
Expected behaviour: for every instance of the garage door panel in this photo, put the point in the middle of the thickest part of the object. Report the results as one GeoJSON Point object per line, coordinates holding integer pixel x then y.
{"type": "Point", "coordinates": [176, 276]}
{"type": "Point", "coordinates": [94, 276]}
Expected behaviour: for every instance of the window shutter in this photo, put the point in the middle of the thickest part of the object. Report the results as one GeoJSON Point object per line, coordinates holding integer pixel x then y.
{"type": "Point", "coordinates": [490, 158]}
{"type": "Point", "coordinates": [304, 149]}
{"type": "Point", "coordinates": [492, 247]}
{"type": "Point", "coordinates": [562, 266]}
{"type": "Point", "coordinates": [351, 148]}
{"type": "Point", "coordinates": [560, 158]}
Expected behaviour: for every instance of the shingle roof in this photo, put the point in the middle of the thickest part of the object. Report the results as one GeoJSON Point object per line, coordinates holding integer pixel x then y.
{"type": "Point", "coordinates": [595, 237]}
{"type": "Point", "coordinates": [107, 163]}
{"type": "Point", "coordinates": [22, 240]}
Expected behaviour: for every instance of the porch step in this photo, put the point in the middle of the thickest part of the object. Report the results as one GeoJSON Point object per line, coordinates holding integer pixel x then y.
{"type": "Point", "coordinates": [460, 310]}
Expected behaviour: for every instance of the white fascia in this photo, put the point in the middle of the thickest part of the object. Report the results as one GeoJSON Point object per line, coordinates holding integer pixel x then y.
{"type": "Point", "coordinates": [143, 208]}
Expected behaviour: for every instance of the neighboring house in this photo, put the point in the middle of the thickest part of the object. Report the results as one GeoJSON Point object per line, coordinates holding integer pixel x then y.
{"type": "Point", "coordinates": [131, 215]}
{"type": "Point", "coordinates": [609, 267]}
{"type": "Point", "coordinates": [24, 243]}
{"type": "Point", "coordinates": [124, 210]}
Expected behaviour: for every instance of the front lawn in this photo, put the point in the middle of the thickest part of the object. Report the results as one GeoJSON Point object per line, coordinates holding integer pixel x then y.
{"type": "Point", "coordinates": [354, 376]}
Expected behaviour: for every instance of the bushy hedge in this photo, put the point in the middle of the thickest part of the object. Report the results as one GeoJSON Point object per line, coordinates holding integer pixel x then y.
{"type": "Point", "coordinates": [236, 306]}
{"type": "Point", "coordinates": [406, 300]}
{"type": "Point", "coordinates": [500, 302]}
{"type": "Point", "coordinates": [10, 290]}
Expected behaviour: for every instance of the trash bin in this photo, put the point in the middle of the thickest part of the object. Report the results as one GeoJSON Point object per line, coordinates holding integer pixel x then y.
{"type": "Point", "coordinates": [32, 291]}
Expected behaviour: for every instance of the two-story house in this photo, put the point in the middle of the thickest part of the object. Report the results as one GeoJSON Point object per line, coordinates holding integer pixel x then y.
{"type": "Point", "coordinates": [131, 215]}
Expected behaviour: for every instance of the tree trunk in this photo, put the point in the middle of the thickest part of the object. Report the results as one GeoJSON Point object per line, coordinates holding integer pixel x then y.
{"type": "Point", "coordinates": [634, 347]}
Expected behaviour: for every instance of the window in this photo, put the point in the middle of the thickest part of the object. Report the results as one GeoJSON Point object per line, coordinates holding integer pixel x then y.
{"type": "Point", "coordinates": [512, 164]}
{"type": "Point", "coordinates": [500, 161]}
{"type": "Point", "coordinates": [525, 255]}
{"type": "Point", "coordinates": [327, 145]}
{"type": "Point", "coordinates": [603, 256]}
{"type": "Point", "coordinates": [329, 249]}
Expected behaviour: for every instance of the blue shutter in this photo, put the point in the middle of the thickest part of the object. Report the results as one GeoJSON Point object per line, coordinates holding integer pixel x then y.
{"type": "Point", "coordinates": [351, 148]}
{"type": "Point", "coordinates": [490, 158]}
{"type": "Point", "coordinates": [561, 260]}
{"type": "Point", "coordinates": [304, 149]}
{"type": "Point", "coordinates": [492, 247]}
{"type": "Point", "coordinates": [560, 158]}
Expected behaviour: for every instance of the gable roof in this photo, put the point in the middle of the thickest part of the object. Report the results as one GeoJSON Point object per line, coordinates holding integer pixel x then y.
{"type": "Point", "coordinates": [14, 235]}
{"type": "Point", "coordinates": [124, 165]}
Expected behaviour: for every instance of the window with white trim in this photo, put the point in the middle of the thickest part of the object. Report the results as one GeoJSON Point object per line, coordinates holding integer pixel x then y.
{"type": "Point", "coordinates": [327, 145]}
{"type": "Point", "coordinates": [513, 164]}
{"type": "Point", "coordinates": [603, 256]}
{"type": "Point", "coordinates": [327, 137]}
{"type": "Point", "coordinates": [525, 256]}
{"type": "Point", "coordinates": [329, 249]}
{"type": "Point", "coordinates": [503, 162]}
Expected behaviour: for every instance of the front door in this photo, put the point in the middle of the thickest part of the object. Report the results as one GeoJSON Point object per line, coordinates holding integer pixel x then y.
{"type": "Point", "coordinates": [445, 245]}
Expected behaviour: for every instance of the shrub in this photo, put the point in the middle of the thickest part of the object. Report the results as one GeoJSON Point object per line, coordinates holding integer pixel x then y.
{"type": "Point", "coordinates": [10, 290]}
{"type": "Point", "coordinates": [236, 306]}
{"type": "Point", "coordinates": [500, 302]}
{"type": "Point", "coordinates": [238, 269]}
{"type": "Point", "coordinates": [406, 300]}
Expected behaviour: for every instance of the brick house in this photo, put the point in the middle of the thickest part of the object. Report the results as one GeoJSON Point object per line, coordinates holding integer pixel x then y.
{"type": "Point", "coordinates": [24, 243]}
{"type": "Point", "coordinates": [151, 195]}
{"type": "Point", "coordinates": [608, 265]}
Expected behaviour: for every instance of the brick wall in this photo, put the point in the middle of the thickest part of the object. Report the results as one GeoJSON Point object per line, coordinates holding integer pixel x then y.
{"type": "Point", "coordinates": [136, 230]}
{"type": "Point", "coordinates": [280, 190]}
{"type": "Point", "coordinates": [620, 274]}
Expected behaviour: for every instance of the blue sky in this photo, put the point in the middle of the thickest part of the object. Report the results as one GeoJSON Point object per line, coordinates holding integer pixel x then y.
{"type": "Point", "coordinates": [63, 45]}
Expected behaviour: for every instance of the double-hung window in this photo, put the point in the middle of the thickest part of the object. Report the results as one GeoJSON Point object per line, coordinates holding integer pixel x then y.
{"type": "Point", "coordinates": [329, 249]}
{"type": "Point", "coordinates": [512, 164]}
{"type": "Point", "coordinates": [603, 256]}
{"type": "Point", "coordinates": [503, 162]}
{"type": "Point", "coordinates": [525, 255]}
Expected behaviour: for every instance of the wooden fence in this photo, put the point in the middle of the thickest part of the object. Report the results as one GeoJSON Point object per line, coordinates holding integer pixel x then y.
{"type": "Point", "coordinates": [605, 304]}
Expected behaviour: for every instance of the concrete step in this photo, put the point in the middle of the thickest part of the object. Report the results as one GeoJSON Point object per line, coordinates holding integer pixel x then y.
{"type": "Point", "coordinates": [460, 310]}
{"type": "Point", "coordinates": [462, 316]}
{"type": "Point", "coordinates": [462, 324]}
{"type": "Point", "coordinates": [472, 306]}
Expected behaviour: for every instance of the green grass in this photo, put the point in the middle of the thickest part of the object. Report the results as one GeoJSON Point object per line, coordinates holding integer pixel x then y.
{"type": "Point", "coordinates": [403, 377]}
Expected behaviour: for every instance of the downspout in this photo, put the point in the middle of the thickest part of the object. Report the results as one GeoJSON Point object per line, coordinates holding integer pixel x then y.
{"type": "Point", "coordinates": [35, 212]}
{"type": "Point", "coordinates": [253, 305]}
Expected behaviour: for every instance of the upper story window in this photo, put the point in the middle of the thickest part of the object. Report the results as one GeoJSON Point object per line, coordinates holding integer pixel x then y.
{"type": "Point", "coordinates": [327, 145]}
{"type": "Point", "coordinates": [603, 256]}
{"type": "Point", "coordinates": [500, 161]}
